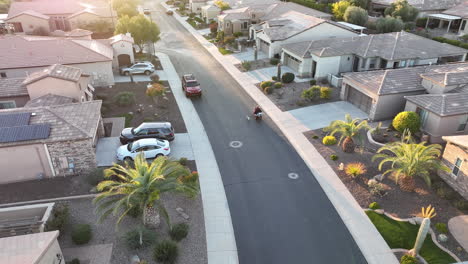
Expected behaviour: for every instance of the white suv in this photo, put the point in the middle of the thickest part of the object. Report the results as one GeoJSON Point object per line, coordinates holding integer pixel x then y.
{"type": "Point", "coordinates": [138, 68]}
{"type": "Point", "coordinates": [150, 147]}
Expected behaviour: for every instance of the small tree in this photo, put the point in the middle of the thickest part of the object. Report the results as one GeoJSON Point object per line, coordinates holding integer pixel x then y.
{"type": "Point", "coordinates": [348, 129]}
{"type": "Point", "coordinates": [125, 7]}
{"type": "Point", "coordinates": [222, 5]}
{"type": "Point", "coordinates": [360, 3]}
{"type": "Point", "coordinates": [403, 10]}
{"type": "Point", "coordinates": [389, 24]}
{"type": "Point", "coordinates": [157, 92]}
{"type": "Point", "coordinates": [98, 26]}
{"type": "Point", "coordinates": [356, 15]}
{"type": "Point", "coordinates": [142, 29]}
{"type": "Point", "coordinates": [339, 9]}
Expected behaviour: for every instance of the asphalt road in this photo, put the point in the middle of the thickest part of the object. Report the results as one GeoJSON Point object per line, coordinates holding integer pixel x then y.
{"type": "Point", "coordinates": [276, 219]}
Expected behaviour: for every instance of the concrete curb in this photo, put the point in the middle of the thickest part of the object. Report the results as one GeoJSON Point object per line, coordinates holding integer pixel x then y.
{"type": "Point", "coordinates": [220, 239]}
{"type": "Point", "coordinates": [372, 245]}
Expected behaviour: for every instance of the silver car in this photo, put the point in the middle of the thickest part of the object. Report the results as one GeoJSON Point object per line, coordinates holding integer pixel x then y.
{"type": "Point", "coordinates": [138, 68]}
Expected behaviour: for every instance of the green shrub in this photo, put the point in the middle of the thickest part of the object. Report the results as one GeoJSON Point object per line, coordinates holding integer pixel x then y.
{"type": "Point", "coordinates": [266, 84]}
{"type": "Point", "coordinates": [446, 193]}
{"type": "Point", "coordinates": [409, 26]}
{"type": "Point", "coordinates": [58, 218]}
{"type": "Point", "coordinates": [311, 93]}
{"type": "Point", "coordinates": [464, 45]}
{"type": "Point", "coordinates": [95, 176]}
{"type": "Point", "coordinates": [224, 51]}
{"type": "Point", "coordinates": [441, 228]}
{"type": "Point", "coordinates": [461, 205]}
{"type": "Point", "coordinates": [268, 90]}
{"type": "Point", "coordinates": [246, 65]}
{"type": "Point", "coordinates": [277, 85]}
{"type": "Point", "coordinates": [274, 61]}
{"type": "Point", "coordinates": [124, 98]}
{"type": "Point", "coordinates": [333, 157]}
{"type": "Point", "coordinates": [389, 24]}
{"type": "Point", "coordinates": [274, 78]}
{"type": "Point", "coordinates": [81, 234]}
{"type": "Point", "coordinates": [73, 261]}
{"type": "Point", "coordinates": [407, 120]}
{"type": "Point", "coordinates": [355, 169]}
{"type": "Point", "coordinates": [407, 259]}
{"type": "Point", "coordinates": [325, 92]}
{"type": "Point", "coordinates": [229, 39]}
{"type": "Point", "coordinates": [179, 231]}
{"type": "Point", "coordinates": [374, 206]}
{"type": "Point", "coordinates": [135, 212]}
{"type": "Point", "coordinates": [421, 22]}
{"type": "Point", "coordinates": [128, 118]}
{"type": "Point", "coordinates": [315, 137]}
{"type": "Point", "coordinates": [439, 39]}
{"type": "Point", "coordinates": [132, 238]}
{"type": "Point", "coordinates": [329, 140]}
{"type": "Point", "coordinates": [356, 15]}
{"type": "Point", "coordinates": [154, 77]}
{"type": "Point", "coordinates": [238, 34]}
{"type": "Point", "coordinates": [199, 20]}
{"type": "Point", "coordinates": [312, 82]}
{"type": "Point", "coordinates": [183, 161]}
{"type": "Point", "coordinates": [287, 77]}
{"type": "Point", "coordinates": [166, 252]}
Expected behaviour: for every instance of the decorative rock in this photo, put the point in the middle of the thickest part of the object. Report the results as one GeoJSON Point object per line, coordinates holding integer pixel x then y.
{"type": "Point", "coordinates": [182, 213]}
{"type": "Point", "coordinates": [341, 166]}
{"type": "Point", "coordinates": [371, 182]}
{"type": "Point", "coordinates": [378, 177]}
{"type": "Point", "coordinates": [135, 260]}
{"type": "Point", "coordinates": [379, 211]}
{"type": "Point", "coordinates": [442, 238]}
{"type": "Point", "coordinates": [130, 113]}
{"type": "Point", "coordinates": [152, 217]}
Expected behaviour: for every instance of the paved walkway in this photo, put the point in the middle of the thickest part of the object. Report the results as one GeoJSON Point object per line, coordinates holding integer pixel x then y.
{"type": "Point", "coordinates": [458, 227]}
{"type": "Point", "coordinates": [118, 124]}
{"type": "Point", "coordinates": [371, 243]}
{"type": "Point", "coordinates": [136, 78]}
{"type": "Point", "coordinates": [320, 116]}
{"type": "Point", "coordinates": [221, 243]}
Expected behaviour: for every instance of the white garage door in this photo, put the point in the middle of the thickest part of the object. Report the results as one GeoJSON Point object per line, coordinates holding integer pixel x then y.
{"type": "Point", "coordinates": [359, 99]}
{"type": "Point", "coordinates": [264, 47]}
{"type": "Point", "coordinates": [292, 62]}
{"type": "Point", "coordinates": [22, 163]}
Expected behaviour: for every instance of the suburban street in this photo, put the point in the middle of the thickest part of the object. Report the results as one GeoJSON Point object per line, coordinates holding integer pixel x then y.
{"type": "Point", "coordinates": [276, 219]}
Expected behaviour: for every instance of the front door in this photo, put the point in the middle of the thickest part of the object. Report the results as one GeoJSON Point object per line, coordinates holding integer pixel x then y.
{"type": "Point", "coordinates": [123, 60]}
{"type": "Point", "coordinates": [356, 64]}
{"type": "Point", "coordinates": [314, 68]}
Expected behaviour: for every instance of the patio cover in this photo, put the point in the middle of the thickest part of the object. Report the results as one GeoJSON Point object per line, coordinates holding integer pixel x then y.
{"type": "Point", "coordinates": [352, 26]}
{"type": "Point", "coordinates": [444, 17]}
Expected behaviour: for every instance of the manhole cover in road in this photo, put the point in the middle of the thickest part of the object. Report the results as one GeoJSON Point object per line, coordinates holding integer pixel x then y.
{"type": "Point", "coordinates": [235, 144]}
{"type": "Point", "coordinates": [293, 175]}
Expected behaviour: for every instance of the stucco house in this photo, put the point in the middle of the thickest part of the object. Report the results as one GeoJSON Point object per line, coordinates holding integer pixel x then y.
{"type": "Point", "coordinates": [195, 6]}
{"type": "Point", "coordinates": [49, 140]}
{"type": "Point", "coordinates": [293, 27]}
{"type": "Point", "coordinates": [425, 7]}
{"type": "Point", "coordinates": [450, 21]}
{"type": "Point", "coordinates": [333, 56]}
{"type": "Point", "coordinates": [31, 17]}
{"type": "Point", "coordinates": [381, 94]}
{"type": "Point", "coordinates": [441, 114]}
{"type": "Point", "coordinates": [240, 19]}
{"type": "Point", "coordinates": [455, 157]}
{"type": "Point", "coordinates": [210, 12]}
{"type": "Point", "coordinates": [21, 55]}
{"type": "Point", "coordinates": [13, 93]}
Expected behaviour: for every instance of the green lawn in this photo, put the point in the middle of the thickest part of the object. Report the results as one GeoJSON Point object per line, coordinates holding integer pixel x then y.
{"type": "Point", "coordinates": [224, 51]}
{"type": "Point", "coordinates": [403, 235]}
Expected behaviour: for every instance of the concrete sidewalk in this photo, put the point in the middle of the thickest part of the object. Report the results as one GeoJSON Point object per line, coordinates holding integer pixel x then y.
{"type": "Point", "coordinates": [220, 240]}
{"type": "Point", "coordinates": [373, 246]}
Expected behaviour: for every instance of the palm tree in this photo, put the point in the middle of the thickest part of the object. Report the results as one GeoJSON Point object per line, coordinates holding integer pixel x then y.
{"type": "Point", "coordinates": [408, 159]}
{"type": "Point", "coordinates": [348, 129]}
{"type": "Point", "coordinates": [140, 187]}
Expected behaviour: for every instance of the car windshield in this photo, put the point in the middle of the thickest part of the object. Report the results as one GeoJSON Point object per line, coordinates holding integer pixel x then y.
{"type": "Point", "coordinates": [192, 84]}
{"type": "Point", "coordinates": [166, 130]}
{"type": "Point", "coordinates": [161, 143]}
{"type": "Point", "coordinates": [133, 145]}
{"type": "Point", "coordinates": [136, 130]}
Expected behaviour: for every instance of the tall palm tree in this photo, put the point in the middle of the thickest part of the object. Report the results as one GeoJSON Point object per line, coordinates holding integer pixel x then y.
{"type": "Point", "coordinates": [348, 129]}
{"type": "Point", "coordinates": [409, 159]}
{"type": "Point", "coordinates": [140, 187]}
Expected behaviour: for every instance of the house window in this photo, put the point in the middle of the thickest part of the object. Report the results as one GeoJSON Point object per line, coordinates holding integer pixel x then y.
{"type": "Point", "coordinates": [456, 167]}
{"type": "Point", "coordinates": [3, 75]}
{"type": "Point", "coordinates": [245, 25]}
{"type": "Point", "coordinates": [7, 104]}
{"type": "Point", "coordinates": [423, 115]}
{"type": "Point", "coordinates": [253, 16]}
{"type": "Point", "coordinates": [462, 123]}
{"type": "Point", "coordinates": [411, 63]}
{"type": "Point", "coordinates": [372, 63]}
{"type": "Point", "coordinates": [402, 64]}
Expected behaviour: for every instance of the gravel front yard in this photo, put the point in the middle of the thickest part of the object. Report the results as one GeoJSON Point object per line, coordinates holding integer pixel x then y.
{"type": "Point", "coordinates": [192, 250]}
{"type": "Point", "coordinates": [395, 201]}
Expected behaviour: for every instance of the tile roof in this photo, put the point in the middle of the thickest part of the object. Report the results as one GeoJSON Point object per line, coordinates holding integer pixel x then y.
{"type": "Point", "coordinates": [31, 13]}
{"type": "Point", "coordinates": [442, 104]}
{"type": "Point", "coordinates": [78, 33]}
{"type": "Point", "coordinates": [402, 80]}
{"type": "Point", "coordinates": [424, 5]}
{"type": "Point", "coordinates": [121, 37]}
{"type": "Point", "coordinates": [448, 78]}
{"type": "Point", "coordinates": [49, 100]}
{"type": "Point", "coordinates": [26, 248]}
{"type": "Point", "coordinates": [74, 121]}
{"type": "Point", "coordinates": [55, 71]}
{"type": "Point", "coordinates": [10, 87]}
{"type": "Point", "coordinates": [461, 140]}
{"type": "Point", "coordinates": [59, 7]}
{"type": "Point", "coordinates": [34, 51]}
{"type": "Point", "coordinates": [283, 7]}
{"type": "Point", "coordinates": [389, 46]}
{"type": "Point", "coordinates": [460, 10]}
{"type": "Point", "coordinates": [290, 24]}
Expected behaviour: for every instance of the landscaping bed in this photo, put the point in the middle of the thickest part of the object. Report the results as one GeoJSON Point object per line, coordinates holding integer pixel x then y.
{"type": "Point", "coordinates": [144, 108]}
{"type": "Point", "coordinates": [289, 96]}
{"type": "Point", "coordinates": [393, 200]}
{"type": "Point", "coordinates": [254, 65]}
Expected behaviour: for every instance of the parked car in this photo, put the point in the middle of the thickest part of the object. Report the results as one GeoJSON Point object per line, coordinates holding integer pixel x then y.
{"type": "Point", "coordinates": [159, 130]}
{"type": "Point", "coordinates": [190, 85]}
{"type": "Point", "coordinates": [138, 68]}
{"type": "Point", "coordinates": [150, 147]}
{"type": "Point", "coordinates": [169, 12]}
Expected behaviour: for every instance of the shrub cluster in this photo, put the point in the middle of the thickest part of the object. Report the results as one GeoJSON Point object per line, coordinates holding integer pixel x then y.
{"type": "Point", "coordinates": [311, 93]}
{"type": "Point", "coordinates": [313, 82]}
{"type": "Point", "coordinates": [179, 231]}
{"type": "Point", "coordinates": [325, 92]}
{"type": "Point", "coordinates": [333, 157]}
{"type": "Point", "coordinates": [452, 42]}
{"type": "Point", "coordinates": [246, 65]}
{"type": "Point", "coordinates": [329, 140]}
{"type": "Point", "coordinates": [277, 85]}
{"type": "Point", "coordinates": [166, 252]}
{"type": "Point", "coordinates": [238, 34]}
{"type": "Point", "coordinates": [407, 120]}
{"type": "Point", "coordinates": [132, 238]}
{"type": "Point", "coordinates": [274, 61]}
{"type": "Point", "coordinates": [407, 259]}
{"type": "Point", "coordinates": [58, 219]}
{"type": "Point", "coordinates": [288, 77]}
{"type": "Point", "coordinates": [81, 234]}
{"type": "Point", "coordinates": [441, 228]}
{"type": "Point", "coordinates": [183, 161]}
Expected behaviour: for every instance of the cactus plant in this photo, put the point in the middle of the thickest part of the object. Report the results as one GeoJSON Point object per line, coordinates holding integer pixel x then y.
{"type": "Point", "coordinates": [427, 214]}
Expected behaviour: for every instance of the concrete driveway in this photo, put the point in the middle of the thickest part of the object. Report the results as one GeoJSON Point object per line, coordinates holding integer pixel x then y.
{"type": "Point", "coordinates": [248, 55]}
{"type": "Point", "coordinates": [266, 74]}
{"type": "Point", "coordinates": [320, 116]}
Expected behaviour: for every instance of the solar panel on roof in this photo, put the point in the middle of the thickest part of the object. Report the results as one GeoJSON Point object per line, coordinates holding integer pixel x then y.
{"type": "Point", "coordinates": [24, 133]}
{"type": "Point", "coordinates": [16, 119]}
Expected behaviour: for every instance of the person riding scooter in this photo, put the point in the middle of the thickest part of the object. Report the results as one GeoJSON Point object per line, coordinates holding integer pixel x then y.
{"type": "Point", "coordinates": [258, 112]}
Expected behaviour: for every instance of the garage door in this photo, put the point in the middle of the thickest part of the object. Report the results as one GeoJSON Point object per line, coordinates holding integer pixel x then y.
{"type": "Point", "coordinates": [292, 62]}
{"type": "Point", "coordinates": [360, 100]}
{"type": "Point", "coordinates": [22, 163]}
{"type": "Point", "coordinates": [264, 47]}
